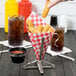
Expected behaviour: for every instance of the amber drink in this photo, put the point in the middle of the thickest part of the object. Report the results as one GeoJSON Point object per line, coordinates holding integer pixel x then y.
{"type": "Point", "coordinates": [15, 30]}
{"type": "Point", "coordinates": [57, 41]}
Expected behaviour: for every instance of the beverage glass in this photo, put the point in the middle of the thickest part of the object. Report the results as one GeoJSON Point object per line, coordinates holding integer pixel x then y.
{"type": "Point", "coordinates": [15, 30]}
{"type": "Point", "coordinates": [57, 41]}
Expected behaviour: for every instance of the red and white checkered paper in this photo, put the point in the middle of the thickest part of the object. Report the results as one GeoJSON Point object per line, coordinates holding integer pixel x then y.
{"type": "Point", "coordinates": [36, 38]}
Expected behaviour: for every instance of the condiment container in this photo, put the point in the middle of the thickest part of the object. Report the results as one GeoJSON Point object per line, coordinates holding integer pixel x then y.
{"type": "Point", "coordinates": [53, 20]}
{"type": "Point", "coordinates": [11, 9]}
{"type": "Point", "coordinates": [17, 54]}
{"type": "Point", "coordinates": [25, 8]}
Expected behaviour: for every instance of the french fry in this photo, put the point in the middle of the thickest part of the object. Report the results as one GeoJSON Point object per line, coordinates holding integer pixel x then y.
{"type": "Point", "coordinates": [51, 29]}
{"type": "Point", "coordinates": [46, 28]}
{"type": "Point", "coordinates": [31, 29]}
{"type": "Point", "coordinates": [29, 23]}
{"type": "Point", "coordinates": [40, 28]}
{"type": "Point", "coordinates": [36, 31]}
{"type": "Point", "coordinates": [46, 10]}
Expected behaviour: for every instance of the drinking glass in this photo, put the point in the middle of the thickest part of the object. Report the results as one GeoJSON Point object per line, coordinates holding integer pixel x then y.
{"type": "Point", "coordinates": [57, 41]}
{"type": "Point", "coordinates": [15, 30]}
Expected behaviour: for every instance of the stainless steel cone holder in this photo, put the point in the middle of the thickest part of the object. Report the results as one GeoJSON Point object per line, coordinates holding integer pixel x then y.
{"type": "Point", "coordinates": [39, 62]}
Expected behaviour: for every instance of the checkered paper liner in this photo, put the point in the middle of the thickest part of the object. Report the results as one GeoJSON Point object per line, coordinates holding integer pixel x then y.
{"type": "Point", "coordinates": [36, 38]}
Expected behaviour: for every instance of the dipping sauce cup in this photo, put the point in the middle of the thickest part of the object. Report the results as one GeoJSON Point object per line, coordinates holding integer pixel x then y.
{"type": "Point", "coordinates": [17, 54]}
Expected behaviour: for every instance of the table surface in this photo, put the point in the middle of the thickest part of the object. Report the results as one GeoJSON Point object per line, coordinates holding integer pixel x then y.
{"type": "Point", "coordinates": [63, 67]}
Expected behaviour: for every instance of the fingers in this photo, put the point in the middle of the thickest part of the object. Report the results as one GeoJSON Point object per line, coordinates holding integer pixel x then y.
{"type": "Point", "coordinates": [53, 3]}
{"type": "Point", "coordinates": [67, 0]}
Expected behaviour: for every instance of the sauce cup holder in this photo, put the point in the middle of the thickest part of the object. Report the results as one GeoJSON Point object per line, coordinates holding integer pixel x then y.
{"type": "Point", "coordinates": [17, 54]}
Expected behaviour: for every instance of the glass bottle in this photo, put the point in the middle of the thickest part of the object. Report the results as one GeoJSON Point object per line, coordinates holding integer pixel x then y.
{"type": "Point", "coordinates": [53, 20]}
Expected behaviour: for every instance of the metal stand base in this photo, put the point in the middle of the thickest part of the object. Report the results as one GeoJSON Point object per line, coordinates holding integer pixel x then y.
{"type": "Point", "coordinates": [39, 65]}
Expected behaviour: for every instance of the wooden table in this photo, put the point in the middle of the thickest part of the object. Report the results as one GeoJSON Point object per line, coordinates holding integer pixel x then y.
{"type": "Point", "coordinates": [63, 67]}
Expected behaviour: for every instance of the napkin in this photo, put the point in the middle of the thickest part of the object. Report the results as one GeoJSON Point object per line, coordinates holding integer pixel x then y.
{"type": "Point", "coordinates": [53, 53]}
{"type": "Point", "coordinates": [25, 44]}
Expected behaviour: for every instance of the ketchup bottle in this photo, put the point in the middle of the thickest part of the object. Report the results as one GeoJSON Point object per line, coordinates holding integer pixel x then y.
{"type": "Point", "coordinates": [11, 9]}
{"type": "Point", "coordinates": [25, 8]}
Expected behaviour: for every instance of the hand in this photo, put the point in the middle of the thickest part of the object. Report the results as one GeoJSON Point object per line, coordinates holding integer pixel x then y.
{"type": "Point", "coordinates": [54, 2]}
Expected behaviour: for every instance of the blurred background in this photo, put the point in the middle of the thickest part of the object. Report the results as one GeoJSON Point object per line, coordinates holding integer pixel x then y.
{"type": "Point", "coordinates": [68, 9]}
